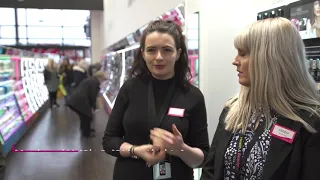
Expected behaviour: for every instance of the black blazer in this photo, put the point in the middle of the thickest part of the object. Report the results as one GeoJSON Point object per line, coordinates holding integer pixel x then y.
{"type": "Point", "coordinates": [67, 69]}
{"type": "Point", "coordinates": [78, 76]}
{"type": "Point", "coordinates": [297, 161]}
{"type": "Point", "coordinates": [83, 99]}
{"type": "Point", "coordinates": [128, 122]}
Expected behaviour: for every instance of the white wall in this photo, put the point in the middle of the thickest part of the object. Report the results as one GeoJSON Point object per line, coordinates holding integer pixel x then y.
{"type": "Point", "coordinates": [192, 6]}
{"type": "Point", "coordinates": [219, 23]}
{"type": "Point", "coordinates": [97, 40]}
{"type": "Point", "coordinates": [262, 5]}
{"type": "Point", "coordinates": [121, 20]}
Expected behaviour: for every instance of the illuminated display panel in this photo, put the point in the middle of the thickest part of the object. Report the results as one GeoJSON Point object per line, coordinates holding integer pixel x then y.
{"type": "Point", "coordinates": [10, 117]}
{"type": "Point", "coordinates": [33, 82]}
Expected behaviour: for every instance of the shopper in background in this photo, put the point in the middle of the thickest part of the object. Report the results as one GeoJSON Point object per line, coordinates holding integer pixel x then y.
{"type": "Point", "coordinates": [83, 101]}
{"type": "Point", "coordinates": [159, 118]}
{"type": "Point", "coordinates": [51, 79]}
{"type": "Point", "coordinates": [79, 73]}
{"type": "Point", "coordinates": [271, 129]}
{"type": "Point", "coordinates": [66, 71]}
{"type": "Point", "coordinates": [93, 68]}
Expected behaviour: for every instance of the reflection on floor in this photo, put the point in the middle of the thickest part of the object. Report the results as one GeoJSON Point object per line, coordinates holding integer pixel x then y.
{"type": "Point", "coordinates": [56, 130]}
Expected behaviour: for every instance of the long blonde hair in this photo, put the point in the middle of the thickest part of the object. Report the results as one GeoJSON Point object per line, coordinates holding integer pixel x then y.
{"type": "Point", "coordinates": [279, 78]}
{"type": "Point", "coordinates": [51, 66]}
{"type": "Point", "coordinates": [83, 64]}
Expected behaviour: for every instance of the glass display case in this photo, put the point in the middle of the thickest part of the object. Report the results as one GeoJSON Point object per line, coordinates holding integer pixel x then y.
{"type": "Point", "coordinates": [112, 66]}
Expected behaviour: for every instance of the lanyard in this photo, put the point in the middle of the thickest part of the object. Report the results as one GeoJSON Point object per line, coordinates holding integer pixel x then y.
{"type": "Point", "coordinates": [155, 120]}
{"type": "Point", "coordinates": [242, 157]}
{"type": "Point", "coordinates": [239, 154]}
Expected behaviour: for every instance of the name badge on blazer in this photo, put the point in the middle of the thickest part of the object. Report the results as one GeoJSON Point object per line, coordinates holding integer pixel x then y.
{"type": "Point", "coordinates": [283, 133]}
{"type": "Point", "coordinates": [176, 112]}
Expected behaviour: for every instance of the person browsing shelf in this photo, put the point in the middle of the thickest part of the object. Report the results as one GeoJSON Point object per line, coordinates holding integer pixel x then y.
{"type": "Point", "coordinates": [84, 99]}
{"type": "Point", "coordinates": [158, 126]}
{"type": "Point", "coordinates": [270, 131]}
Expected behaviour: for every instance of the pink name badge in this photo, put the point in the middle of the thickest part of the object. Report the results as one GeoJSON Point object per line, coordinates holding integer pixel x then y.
{"type": "Point", "coordinates": [176, 112]}
{"type": "Point", "coordinates": [283, 133]}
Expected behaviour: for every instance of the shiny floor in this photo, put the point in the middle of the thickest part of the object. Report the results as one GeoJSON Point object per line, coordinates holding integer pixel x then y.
{"type": "Point", "coordinates": [59, 129]}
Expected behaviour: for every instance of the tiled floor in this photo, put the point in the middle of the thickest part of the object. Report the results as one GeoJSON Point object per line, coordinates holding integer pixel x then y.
{"type": "Point", "coordinates": [59, 129]}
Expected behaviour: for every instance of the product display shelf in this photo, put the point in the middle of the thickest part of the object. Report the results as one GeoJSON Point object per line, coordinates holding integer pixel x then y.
{"type": "Point", "coordinates": [6, 68]}
{"type": "Point", "coordinates": [22, 101]}
{"type": "Point", "coordinates": [11, 121]}
{"type": "Point", "coordinates": [23, 95]}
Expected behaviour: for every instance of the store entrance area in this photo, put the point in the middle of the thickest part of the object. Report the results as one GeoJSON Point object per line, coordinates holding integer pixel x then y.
{"type": "Point", "coordinates": [58, 129]}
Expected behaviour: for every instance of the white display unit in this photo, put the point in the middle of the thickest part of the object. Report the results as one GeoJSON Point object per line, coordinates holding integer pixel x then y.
{"type": "Point", "coordinates": [122, 63]}
{"type": "Point", "coordinates": [33, 82]}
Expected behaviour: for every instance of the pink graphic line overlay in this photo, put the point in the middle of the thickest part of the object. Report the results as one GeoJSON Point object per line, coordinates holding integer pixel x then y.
{"type": "Point", "coordinates": [15, 150]}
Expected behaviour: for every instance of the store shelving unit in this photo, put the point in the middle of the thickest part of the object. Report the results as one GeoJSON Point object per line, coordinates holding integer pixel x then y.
{"type": "Point", "coordinates": [22, 95]}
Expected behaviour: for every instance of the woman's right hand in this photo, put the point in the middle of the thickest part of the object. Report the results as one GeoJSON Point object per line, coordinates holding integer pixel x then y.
{"type": "Point", "coordinates": [149, 153]}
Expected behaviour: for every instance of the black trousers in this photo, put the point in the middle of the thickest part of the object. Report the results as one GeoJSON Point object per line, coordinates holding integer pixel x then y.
{"type": "Point", "coordinates": [53, 98]}
{"type": "Point", "coordinates": [69, 91]}
{"type": "Point", "coordinates": [85, 124]}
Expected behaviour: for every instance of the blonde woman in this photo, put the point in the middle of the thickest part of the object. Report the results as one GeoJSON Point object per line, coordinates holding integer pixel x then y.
{"type": "Point", "coordinates": [270, 130]}
{"type": "Point", "coordinates": [79, 73]}
{"type": "Point", "coordinates": [51, 79]}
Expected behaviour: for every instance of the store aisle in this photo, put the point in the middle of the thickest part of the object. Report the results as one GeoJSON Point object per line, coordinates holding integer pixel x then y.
{"type": "Point", "coordinates": [59, 130]}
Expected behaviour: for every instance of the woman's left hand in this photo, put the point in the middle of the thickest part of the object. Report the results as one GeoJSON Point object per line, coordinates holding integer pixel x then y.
{"type": "Point", "coordinates": [172, 143]}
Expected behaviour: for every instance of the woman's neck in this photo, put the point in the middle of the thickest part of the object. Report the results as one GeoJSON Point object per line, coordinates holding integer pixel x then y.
{"type": "Point", "coordinates": [170, 76]}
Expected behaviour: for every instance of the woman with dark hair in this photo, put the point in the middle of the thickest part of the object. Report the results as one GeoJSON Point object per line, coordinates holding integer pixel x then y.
{"type": "Point", "coordinates": [66, 71]}
{"type": "Point", "coordinates": [158, 125]}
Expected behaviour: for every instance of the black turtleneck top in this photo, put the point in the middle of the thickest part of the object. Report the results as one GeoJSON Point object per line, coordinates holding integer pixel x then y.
{"type": "Point", "coordinates": [129, 122]}
{"type": "Point", "coordinates": [160, 90]}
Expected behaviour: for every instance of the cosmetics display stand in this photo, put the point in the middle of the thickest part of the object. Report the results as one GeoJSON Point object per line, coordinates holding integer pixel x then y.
{"type": "Point", "coordinates": [23, 94]}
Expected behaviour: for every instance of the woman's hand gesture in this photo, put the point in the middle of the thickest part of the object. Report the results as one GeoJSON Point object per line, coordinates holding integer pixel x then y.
{"type": "Point", "coordinates": [171, 143]}
{"type": "Point", "coordinates": [149, 153]}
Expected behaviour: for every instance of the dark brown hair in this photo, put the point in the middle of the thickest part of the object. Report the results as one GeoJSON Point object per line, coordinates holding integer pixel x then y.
{"type": "Point", "coordinates": [181, 68]}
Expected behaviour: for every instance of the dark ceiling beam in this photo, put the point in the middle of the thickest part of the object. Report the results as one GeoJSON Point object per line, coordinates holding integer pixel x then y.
{"type": "Point", "coordinates": [54, 4]}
